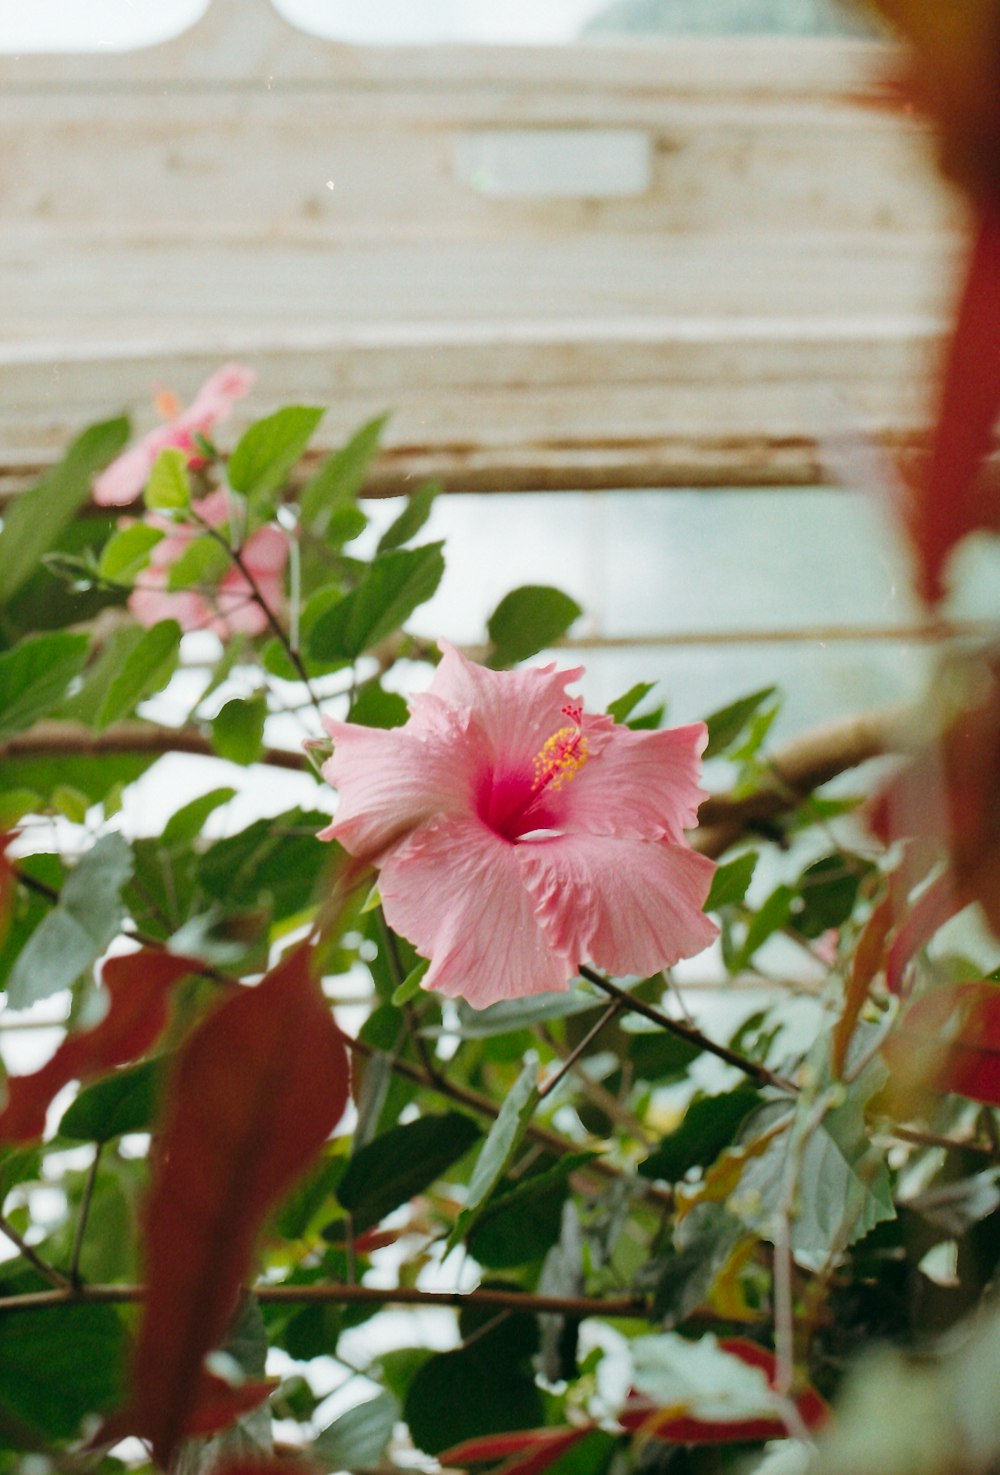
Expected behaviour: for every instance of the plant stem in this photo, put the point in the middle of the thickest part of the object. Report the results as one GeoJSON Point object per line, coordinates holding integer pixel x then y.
{"type": "Point", "coordinates": [51, 1274]}
{"type": "Point", "coordinates": [757, 1072]}
{"type": "Point", "coordinates": [84, 1215]}
{"type": "Point", "coordinates": [611, 1012]}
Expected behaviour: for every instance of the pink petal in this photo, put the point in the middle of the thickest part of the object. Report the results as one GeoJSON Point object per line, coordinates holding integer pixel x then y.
{"type": "Point", "coordinates": [455, 889]}
{"type": "Point", "coordinates": [216, 397]}
{"type": "Point", "coordinates": [643, 784]}
{"type": "Point", "coordinates": [390, 781]}
{"type": "Point", "coordinates": [123, 481]}
{"type": "Point", "coordinates": [624, 904]}
{"type": "Point", "coordinates": [517, 710]}
{"type": "Point", "coordinates": [266, 552]}
{"type": "Point", "coordinates": [151, 602]}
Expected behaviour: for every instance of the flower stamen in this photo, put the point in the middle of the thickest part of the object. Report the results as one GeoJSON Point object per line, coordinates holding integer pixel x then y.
{"type": "Point", "coordinates": [562, 755]}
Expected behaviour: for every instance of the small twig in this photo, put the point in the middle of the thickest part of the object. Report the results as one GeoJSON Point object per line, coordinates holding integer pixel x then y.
{"type": "Point", "coordinates": [350, 1256]}
{"type": "Point", "coordinates": [612, 1011]}
{"type": "Point", "coordinates": [606, 1101]}
{"type": "Point", "coordinates": [52, 1275]}
{"type": "Point", "coordinates": [920, 1138]}
{"type": "Point", "coordinates": [391, 947]}
{"type": "Point", "coordinates": [757, 1072]}
{"type": "Point", "coordinates": [84, 1215]}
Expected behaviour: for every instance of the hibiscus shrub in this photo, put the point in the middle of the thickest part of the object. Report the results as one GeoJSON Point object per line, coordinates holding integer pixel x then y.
{"type": "Point", "coordinates": [413, 1039]}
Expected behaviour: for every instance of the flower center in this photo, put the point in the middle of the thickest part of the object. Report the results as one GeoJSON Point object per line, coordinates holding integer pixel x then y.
{"type": "Point", "coordinates": [562, 755]}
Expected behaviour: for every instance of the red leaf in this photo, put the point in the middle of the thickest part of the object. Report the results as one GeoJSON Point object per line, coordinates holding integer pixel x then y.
{"type": "Point", "coordinates": [950, 1040]}
{"type": "Point", "coordinates": [139, 986]}
{"type": "Point", "coordinates": [276, 1465]}
{"type": "Point", "coordinates": [257, 1088]}
{"type": "Point", "coordinates": [217, 1405]}
{"type": "Point", "coordinates": [532, 1450]}
{"type": "Point", "coordinates": [682, 1428]}
{"type": "Point", "coordinates": [945, 503]}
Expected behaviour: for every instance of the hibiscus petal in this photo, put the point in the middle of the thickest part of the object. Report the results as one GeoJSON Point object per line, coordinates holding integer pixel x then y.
{"type": "Point", "coordinates": [624, 904]}
{"type": "Point", "coordinates": [643, 784]}
{"type": "Point", "coordinates": [517, 710]}
{"type": "Point", "coordinates": [392, 780]}
{"type": "Point", "coordinates": [123, 480]}
{"type": "Point", "coordinates": [456, 890]}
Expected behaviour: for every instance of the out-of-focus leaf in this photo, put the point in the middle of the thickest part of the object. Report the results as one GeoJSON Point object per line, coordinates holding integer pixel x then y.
{"type": "Point", "coordinates": [59, 1364]}
{"type": "Point", "coordinates": [771, 917]}
{"type": "Point", "coordinates": [523, 1223]}
{"type": "Point", "coordinates": [169, 486]}
{"type": "Point", "coordinates": [268, 449]}
{"type": "Point", "coordinates": [278, 858]}
{"type": "Point", "coordinates": [34, 521]}
{"type": "Point", "coordinates": [238, 729]}
{"type": "Point", "coordinates": [358, 1439]}
{"type": "Point", "coordinates": [373, 706]}
{"type": "Point", "coordinates": [710, 1124]}
{"type": "Point", "coordinates": [139, 987]}
{"type": "Point", "coordinates": [123, 1102]}
{"type": "Point", "coordinates": [710, 1392]}
{"type": "Point", "coordinates": [949, 1040]}
{"type": "Point", "coordinates": [512, 1014]}
{"type": "Point", "coordinates": [828, 891]}
{"type": "Point", "coordinates": [623, 707]}
{"type": "Point", "coordinates": [127, 551]}
{"type": "Point", "coordinates": [397, 1166]}
{"type": "Point", "coordinates": [33, 677]}
{"type": "Point", "coordinates": [412, 518]}
{"type": "Point", "coordinates": [411, 984]}
{"type": "Point", "coordinates": [187, 823]}
{"type": "Point", "coordinates": [525, 1452]}
{"type": "Point", "coordinates": [730, 882]}
{"type": "Point", "coordinates": [527, 620]}
{"type": "Point", "coordinates": [395, 584]}
{"type": "Point", "coordinates": [76, 932]}
{"type": "Point", "coordinates": [255, 1091]}
{"type": "Point", "coordinates": [203, 561]}
{"type": "Point", "coordinates": [340, 478]}
{"type": "Point", "coordinates": [497, 1151]}
{"type": "Point", "coordinates": [146, 669]}
{"type": "Point", "coordinates": [727, 725]}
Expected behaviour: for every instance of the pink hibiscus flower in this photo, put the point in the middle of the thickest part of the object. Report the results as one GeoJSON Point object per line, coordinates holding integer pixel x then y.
{"type": "Point", "coordinates": [518, 837]}
{"type": "Point", "coordinates": [123, 481]}
{"type": "Point", "coordinates": [231, 607]}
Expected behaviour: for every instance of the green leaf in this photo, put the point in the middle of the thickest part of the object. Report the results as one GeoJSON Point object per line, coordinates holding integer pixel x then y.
{"type": "Point", "coordinates": [710, 1124]}
{"type": "Point", "coordinates": [499, 1148]}
{"type": "Point", "coordinates": [401, 1163]}
{"type": "Point", "coordinates": [527, 620]}
{"type": "Point", "coordinates": [358, 1439]}
{"type": "Point", "coordinates": [828, 891]}
{"type": "Point", "coordinates": [127, 551]}
{"type": "Point", "coordinates": [278, 858]}
{"type": "Point", "coordinates": [512, 1014]}
{"type": "Point", "coordinates": [169, 486]}
{"type": "Point", "coordinates": [202, 564]}
{"type": "Point", "coordinates": [410, 985]}
{"type": "Point", "coordinates": [624, 706]}
{"type": "Point", "coordinates": [772, 916]}
{"type": "Point", "coordinates": [238, 730]}
{"type": "Point", "coordinates": [268, 449]}
{"type": "Point", "coordinates": [34, 676]}
{"type": "Point", "coordinates": [727, 724]}
{"type": "Point", "coordinates": [76, 932]}
{"type": "Point", "coordinates": [522, 1221]}
{"type": "Point", "coordinates": [373, 706]}
{"type": "Point", "coordinates": [187, 823]}
{"type": "Point", "coordinates": [123, 1102]}
{"type": "Point", "coordinates": [411, 519]}
{"type": "Point", "coordinates": [146, 669]}
{"type": "Point", "coordinates": [730, 882]}
{"type": "Point", "coordinates": [340, 478]}
{"type": "Point", "coordinates": [59, 1364]}
{"type": "Point", "coordinates": [396, 583]}
{"type": "Point", "coordinates": [35, 520]}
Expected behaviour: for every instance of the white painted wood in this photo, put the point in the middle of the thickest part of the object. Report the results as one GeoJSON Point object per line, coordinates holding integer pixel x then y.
{"type": "Point", "coordinates": [319, 210]}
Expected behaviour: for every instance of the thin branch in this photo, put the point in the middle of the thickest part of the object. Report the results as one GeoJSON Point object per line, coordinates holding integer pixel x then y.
{"type": "Point", "coordinates": [917, 1138]}
{"type": "Point", "coordinates": [612, 1012]}
{"type": "Point", "coordinates": [342, 1294]}
{"type": "Point", "coordinates": [54, 739]}
{"type": "Point", "coordinates": [51, 1274]}
{"type": "Point", "coordinates": [84, 1215]}
{"type": "Point", "coordinates": [752, 1068]}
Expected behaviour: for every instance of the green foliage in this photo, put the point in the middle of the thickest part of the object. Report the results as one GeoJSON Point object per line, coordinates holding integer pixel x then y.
{"type": "Point", "coordinates": [169, 486]}
{"type": "Point", "coordinates": [269, 449]}
{"type": "Point", "coordinates": [238, 729]}
{"type": "Point", "coordinates": [33, 677]}
{"type": "Point", "coordinates": [527, 620]}
{"type": "Point", "coordinates": [402, 1163]}
{"type": "Point", "coordinates": [392, 588]}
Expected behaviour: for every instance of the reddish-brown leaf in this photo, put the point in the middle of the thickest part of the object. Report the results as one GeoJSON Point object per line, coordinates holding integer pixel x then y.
{"type": "Point", "coordinates": [255, 1092]}
{"type": "Point", "coordinates": [947, 499]}
{"type": "Point", "coordinates": [950, 1040]}
{"type": "Point", "coordinates": [217, 1405]}
{"type": "Point", "coordinates": [276, 1465]}
{"type": "Point", "coordinates": [524, 1451]}
{"type": "Point", "coordinates": [681, 1428]}
{"type": "Point", "coordinates": [139, 986]}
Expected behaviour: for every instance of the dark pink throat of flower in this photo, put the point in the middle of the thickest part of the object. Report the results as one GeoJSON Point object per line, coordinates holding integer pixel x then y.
{"type": "Point", "coordinates": [518, 803]}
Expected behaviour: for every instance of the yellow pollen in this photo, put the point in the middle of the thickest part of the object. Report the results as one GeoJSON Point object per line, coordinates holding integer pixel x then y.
{"type": "Point", "coordinates": [562, 756]}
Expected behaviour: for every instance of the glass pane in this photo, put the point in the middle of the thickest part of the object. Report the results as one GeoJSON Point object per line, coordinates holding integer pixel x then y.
{"type": "Point", "coordinates": [93, 25]}
{"type": "Point", "coordinates": [416, 22]}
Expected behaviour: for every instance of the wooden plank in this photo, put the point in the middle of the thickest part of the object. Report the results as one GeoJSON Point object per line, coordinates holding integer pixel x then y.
{"type": "Point", "coordinates": [249, 191]}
